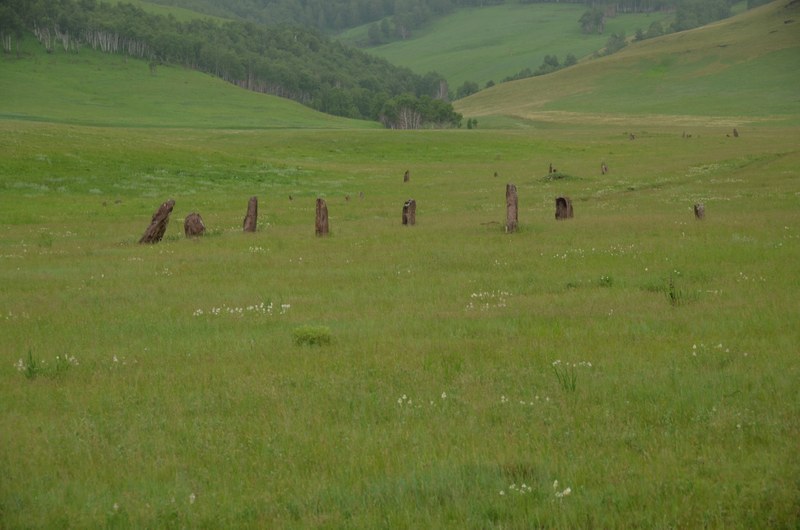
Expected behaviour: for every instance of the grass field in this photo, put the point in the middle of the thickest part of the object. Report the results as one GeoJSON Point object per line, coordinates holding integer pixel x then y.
{"type": "Point", "coordinates": [493, 43]}
{"type": "Point", "coordinates": [630, 367]}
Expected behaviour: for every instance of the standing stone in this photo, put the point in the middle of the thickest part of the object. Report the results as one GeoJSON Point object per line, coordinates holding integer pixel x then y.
{"type": "Point", "coordinates": [603, 168]}
{"type": "Point", "coordinates": [511, 208]}
{"type": "Point", "coordinates": [563, 208]}
{"type": "Point", "coordinates": [158, 225]}
{"type": "Point", "coordinates": [406, 176]}
{"type": "Point", "coordinates": [193, 225]}
{"type": "Point", "coordinates": [410, 212]}
{"type": "Point", "coordinates": [735, 133]}
{"type": "Point", "coordinates": [251, 219]}
{"type": "Point", "coordinates": [699, 211]}
{"type": "Point", "coordinates": [322, 218]}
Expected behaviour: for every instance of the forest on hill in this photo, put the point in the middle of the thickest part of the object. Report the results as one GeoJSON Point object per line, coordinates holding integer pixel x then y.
{"type": "Point", "coordinates": [398, 19]}
{"type": "Point", "coordinates": [288, 61]}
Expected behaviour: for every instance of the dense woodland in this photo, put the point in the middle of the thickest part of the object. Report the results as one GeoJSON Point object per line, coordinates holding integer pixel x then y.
{"type": "Point", "coordinates": [276, 46]}
{"type": "Point", "coordinates": [397, 19]}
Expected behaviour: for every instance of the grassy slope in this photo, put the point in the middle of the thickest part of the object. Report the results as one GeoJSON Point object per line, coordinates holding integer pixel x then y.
{"type": "Point", "coordinates": [91, 88]}
{"type": "Point", "coordinates": [496, 42]}
{"type": "Point", "coordinates": [744, 69]}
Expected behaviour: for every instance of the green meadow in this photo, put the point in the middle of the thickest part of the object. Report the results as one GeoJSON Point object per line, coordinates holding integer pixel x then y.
{"type": "Point", "coordinates": [741, 70]}
{"type": "Point", "coordinates": [493, 43]}
{"type": "Point", "coordinates": [632, 367]}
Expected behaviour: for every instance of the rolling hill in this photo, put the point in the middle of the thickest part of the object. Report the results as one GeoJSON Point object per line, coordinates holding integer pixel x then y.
{"type": "Point", "coordinates": [92, 88]}
{"type": "Point", "coordinates": [493, 43]}
{"type": "Point", "coordinates": [745, 69]}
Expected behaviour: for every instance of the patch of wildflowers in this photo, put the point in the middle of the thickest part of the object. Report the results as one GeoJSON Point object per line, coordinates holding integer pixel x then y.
{"type": "Point", "coordinates": [261, 308]}
{"type": "Point", "coordinates": [484, 301]}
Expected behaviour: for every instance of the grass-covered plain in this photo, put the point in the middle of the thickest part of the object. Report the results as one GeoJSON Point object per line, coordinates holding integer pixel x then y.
{"type": "Point", "coordinates": [185, 400]}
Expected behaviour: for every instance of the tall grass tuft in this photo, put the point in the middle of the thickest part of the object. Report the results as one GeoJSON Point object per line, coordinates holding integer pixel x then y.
{"type": "Point", "coordinates": [312, 336]}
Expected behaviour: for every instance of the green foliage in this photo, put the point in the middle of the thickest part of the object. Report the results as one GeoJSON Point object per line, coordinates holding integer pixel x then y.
{"type": "Point", "coordinates": [615, 43]}
{"type": "Point", "coordinates": [694, 13]}
{"type": "Point", "coordinates": [467, 89]}
{"type": "Point", "coordinates": [410, 112]}
{"type": "Point", "coordinates": [606, 281]}
{"type": "Point", "coordinates": [675, 295]}
{"type": "Point", "coordinates": [566, 375]}
{"type": "Point", "coordinates": [312, 335]}
{"type": "Point", "coordinates": [558, 175]}
{"type": "Point", "coordinates": [33, 367]}
{"type": "Point", "coordinates": [593, 21]}
{"type": "Point", "coordinates": [655, 30]}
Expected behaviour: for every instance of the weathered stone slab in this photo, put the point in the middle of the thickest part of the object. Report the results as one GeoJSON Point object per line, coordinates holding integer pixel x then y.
{"type": "Point", "coordinates": [251, 219]}
{"type": "Point", "coordinates": [158, 224]}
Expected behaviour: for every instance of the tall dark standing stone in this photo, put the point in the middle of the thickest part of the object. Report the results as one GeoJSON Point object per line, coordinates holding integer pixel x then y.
{"type": "Point", "coordinates": [406, 176]}
{"type": "Point", "coordinates": [193, 225]}
{"type": "Point", "coordinates": [410, 212]}
{"type": "Point", "coordinates": [322, 218]}
{"type": "Point", "coordinates": [251, 219]}
{"type": "Point", "coordinates": [511, 208]}
{"type": "Point", "coordinates": [563, 208]}
{"type": "Point", "coordinates": [735, 133]}
{"type": "Point", "coordinates": [699, 211]}
{"type": "Point", "coordinates": [158, 225]}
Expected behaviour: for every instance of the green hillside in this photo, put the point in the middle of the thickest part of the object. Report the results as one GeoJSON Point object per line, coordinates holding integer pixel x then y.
{"type": "Point", "coordinates": [91, 88]}
{"type": "Point", "coordinates": [742, 70]}
{"type": "Point", "coordinates": [492, 43]}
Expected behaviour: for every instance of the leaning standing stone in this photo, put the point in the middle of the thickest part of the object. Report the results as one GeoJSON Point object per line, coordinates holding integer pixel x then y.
{"type": "Point", "coordinates": [511, 208]}
{"type": "Point", "coordinates": [321, 224]}
{"type": "Point", "coordinates": [158, 225]}
{"type": "Point", "coordinates": [251, 219]}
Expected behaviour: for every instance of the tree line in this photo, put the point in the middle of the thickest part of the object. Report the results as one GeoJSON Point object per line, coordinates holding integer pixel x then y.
{"type": "Point", "coordinates": [688, 13]}
{"type": "Point", "coordinates": [397, 19]}
{"type": "Point", "coordinates": [288, 61]}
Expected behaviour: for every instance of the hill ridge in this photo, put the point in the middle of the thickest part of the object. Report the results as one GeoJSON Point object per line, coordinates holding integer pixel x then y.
{"type": "Point", "coordinates": [721, 73]}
